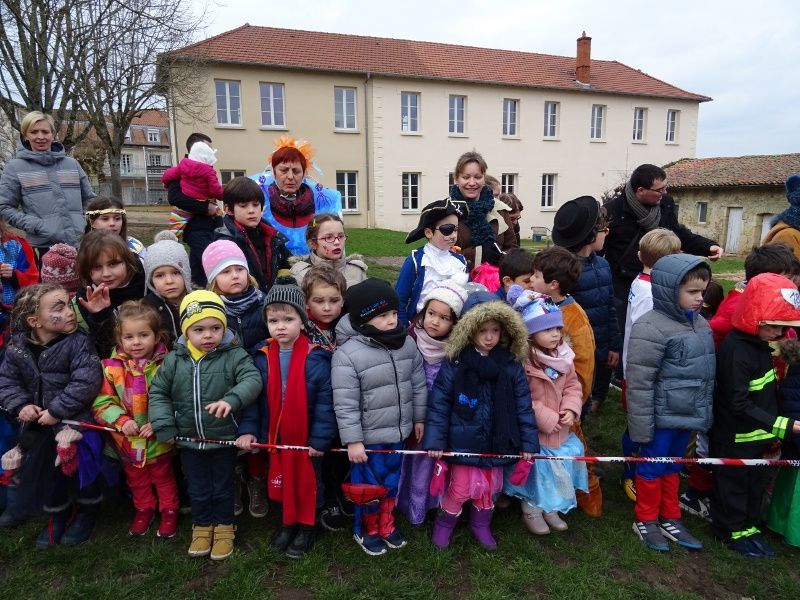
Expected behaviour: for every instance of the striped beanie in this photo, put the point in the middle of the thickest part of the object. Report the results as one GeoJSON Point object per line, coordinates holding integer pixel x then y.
{"type": "Point", "coordinates": [200, 305]}
{"type": "Point", "coordinates": [286, 291]}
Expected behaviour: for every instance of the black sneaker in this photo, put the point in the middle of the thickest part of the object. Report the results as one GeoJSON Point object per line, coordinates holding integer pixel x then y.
{"type": "Point", "coordinates": [371, 544]}
{"type": "Point", "coordinates": [762, 546]}
{"type": "Point", "coordinates": [395, 540]}
{"type": "Point", "coordinates": [745, 547]}
{"type": "Point", "coordinates": [675, 530]}
{"type": "Point", "coordinates": [333, 519]}
{"type": "Point", "coordinates": [696, 505]}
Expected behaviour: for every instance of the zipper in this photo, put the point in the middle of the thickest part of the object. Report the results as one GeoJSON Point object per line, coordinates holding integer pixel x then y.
{"type": "Point", "coordinates": [196, 401]}
{"type": "Point", "coordinates": [399, 402]}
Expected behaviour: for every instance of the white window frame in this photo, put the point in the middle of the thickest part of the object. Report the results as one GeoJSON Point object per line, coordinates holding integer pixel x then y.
{"type": "Point", "coordinates": [153, 136]}
{"type": "Point", "coordinates": [639, 133]}
{"type": "Point", "coordinates": [409, 184]}
{"type": "Point", "coordinates": [597, 125]}
{"type": "Point", "coordinates": [548, 190]}
{"type": "Point", "coordinates": [510, 127]}
{"type": "Point", "coordinates": [231, 117]}
{"type": "Point", "coordinates": [456, 126]}
{"type": "Point", "coordinates": [410, 112]}
{"type": "Point", "coordinates": [349, 97]}
{"type": "Point", "coordinates": [702, 212]}
{"type": "Point", "coordinates": [154, 160]}
{"type": "Point", "coordinates": [267, 95]}
{"type": "Point", "coordinates": [126, 163]}
{"type": "Point", "coordinates": [673, 126]}
{"type": "Point", "coordinates": [552, 110]}
{"type": "Point", "coordinates": [508, 183]}
{"type": "Point", "coordinates": [227, 174]}
{"type": "Point", "coordinates": [347, 181]}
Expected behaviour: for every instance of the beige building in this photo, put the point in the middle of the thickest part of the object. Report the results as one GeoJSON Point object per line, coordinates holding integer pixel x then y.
{"type": "Point", "coordinates": [389, 118]}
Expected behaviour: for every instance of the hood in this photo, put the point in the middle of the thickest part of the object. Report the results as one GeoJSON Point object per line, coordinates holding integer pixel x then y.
{"type": "Point", "coordinates": [46, 158]}
{"type": "Point", "coordinates": [515, 335]}
{"type": "Point", "coordinates": [666, 280]}
{"type": "Point", "coordinates": [767, 299]}
{"type": "Point", "coordinates": [339, 263]}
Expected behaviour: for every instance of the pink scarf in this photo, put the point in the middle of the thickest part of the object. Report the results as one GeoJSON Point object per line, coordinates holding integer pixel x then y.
{"type": "Point", "coordinates": [432, 350]}
{"type": "Point", "coordinates": [561, 362]}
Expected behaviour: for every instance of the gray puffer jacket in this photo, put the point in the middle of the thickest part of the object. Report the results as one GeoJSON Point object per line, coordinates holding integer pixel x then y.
{"type": "Point", "coordinates": [378, 393]}
{"type": "Point", "coordinates": [44, 194]}
{"type": "Point", "coordinates": [671, 361]}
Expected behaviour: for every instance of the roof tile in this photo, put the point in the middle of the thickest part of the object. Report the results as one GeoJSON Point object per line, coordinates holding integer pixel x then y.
{"type": "Point", "coordinates": [765, 169]}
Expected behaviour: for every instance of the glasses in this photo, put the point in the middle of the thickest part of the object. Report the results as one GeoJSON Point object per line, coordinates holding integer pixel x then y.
{"type": "Point", "coordinates": [660, 191]}
{"type": "Point", "coordinates": [330, 238]}
{"type": "Point", "coordinates": [447, 228]}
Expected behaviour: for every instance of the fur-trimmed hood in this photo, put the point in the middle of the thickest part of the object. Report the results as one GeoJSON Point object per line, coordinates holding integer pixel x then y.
{"type": "Point", "coordinates": [515, 335]}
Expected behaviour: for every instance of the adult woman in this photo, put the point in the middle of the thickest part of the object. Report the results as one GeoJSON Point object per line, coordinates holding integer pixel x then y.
{"type": "Point", "coordinates": [786, 225]}
{"type": "Point", "coordinates": [42, 190]}
{"type": "Point", "coordinates": [485, 233]}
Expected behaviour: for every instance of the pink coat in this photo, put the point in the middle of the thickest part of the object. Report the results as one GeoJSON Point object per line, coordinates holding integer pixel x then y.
{"type": "Point", "coordinates": [198, 180]}
{"type": "Point", "coordinates": [551, 397]}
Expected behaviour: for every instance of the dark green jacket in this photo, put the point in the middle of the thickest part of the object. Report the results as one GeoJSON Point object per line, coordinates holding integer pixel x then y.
{"type": "Point", "coordinates": [183, 387]}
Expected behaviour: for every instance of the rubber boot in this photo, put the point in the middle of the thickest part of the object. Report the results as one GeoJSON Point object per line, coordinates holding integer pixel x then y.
{"type": "Point", "coordinates": [479, 521]}
{"type": "Point", "coordinates": [53, 533]}
{"type": "Point", "coordinates": [443, 528]}
{"type": "Point", "coordinates": [81, 528]}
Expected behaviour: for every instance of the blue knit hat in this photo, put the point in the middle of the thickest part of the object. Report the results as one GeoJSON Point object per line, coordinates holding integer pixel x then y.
{"type": "Point", "coordinates": [537, 310]}
{"type": "Point", "coordinates": [793, 189]}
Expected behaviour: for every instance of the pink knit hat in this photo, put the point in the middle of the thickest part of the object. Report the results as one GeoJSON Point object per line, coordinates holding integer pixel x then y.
{"type": "Point", "coordinates": [220, 255]}
{"type": "Point", "coordinates": [58, 266]}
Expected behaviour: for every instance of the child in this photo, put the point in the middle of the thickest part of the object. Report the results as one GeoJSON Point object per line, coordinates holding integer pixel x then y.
{"type": "Point", "coordinates": [326, 237]}
{"type": "Point", "coordinates": [324, 288]}
{"type": "Point", "coordinates": [379, 396]}
{"type": "Point", "coordinates": [746, 417]}
{"type": "Point", "coordinates": [430, 329]}
{"type": "Point", "coordinates": [108, 213]}
{"type": "Point", "coordinates": [516, 268]}
{"type": "Point", "coordinates": [17, 270]}
{"type": "Point", "coordinates": [58, 266]}
{"type": "Point", "coordinates": [480, 403]}
{"type": "Point", "coordinates": [557, 401]}
{"type": "Point", "coordinates": [168, 280]}
{"type": "Point", "coordinates": [111, 274]}
{"type": "Point", "coordinates": [297, 409]}
{"type": "Point", "coordinates": [434, 262]}
{"type": "Point", "coordinates": [581, 227]}
{"type": "Point", "coordinates": [670, 375]}
{"type": "Point", "coordinates": [51, 372]}
{"type": "Point", "coordinates": [199, 392]}
{"type": "Point", "coordinates": [123, 405]}
{"type": "Point", "coordinates": [264, 246]}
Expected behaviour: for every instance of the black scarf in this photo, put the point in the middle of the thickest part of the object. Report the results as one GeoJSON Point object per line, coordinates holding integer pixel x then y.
{"type": "Point", "coordinates": [291, 207]}
{"type": "Point", "coordinates": [474, 369]}
{"type": "Point", "coordinates": [480, 230]}
{"type": "Point", "coordinates": [392, 339]}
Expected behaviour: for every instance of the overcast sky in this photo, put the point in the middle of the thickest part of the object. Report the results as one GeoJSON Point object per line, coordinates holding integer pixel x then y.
{"type": "Point", "coordinates": [744, 54]}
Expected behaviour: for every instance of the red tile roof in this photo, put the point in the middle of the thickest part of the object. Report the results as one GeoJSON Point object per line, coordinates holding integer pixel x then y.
{"type": "Point", "coordinates": [768, 169]}
{"type": "Point", "coordinates": [313, 50]}
{"type": "Point", "coordinates": [152, 118]}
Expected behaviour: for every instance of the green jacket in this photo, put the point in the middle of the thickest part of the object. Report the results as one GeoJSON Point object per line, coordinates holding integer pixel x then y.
{"type": "Point", "coordinates": [183, 387]}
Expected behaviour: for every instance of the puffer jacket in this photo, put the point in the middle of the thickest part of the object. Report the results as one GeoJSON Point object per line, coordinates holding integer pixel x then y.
{"type": "Point", "coordinates": [595, 294]}
{"type": "Point", "coordinates": [671, 360]}
{"type": "Point", "coordinates": [44, 194]}
{"type": "Point", "coordinates": [64, 379]}
{"type": "Point", "coordinates": [183, 387]}
{"type": "Point", "coordinates": [445, 428]}
{"type": "Point", "coordinates": [352, 267]}
{"type": "Point", "coordinates": [198, 180]}
{"type": "Point", "coordinates": [789, 405]}
{"type": "Point", "coordinates": [378, 393]}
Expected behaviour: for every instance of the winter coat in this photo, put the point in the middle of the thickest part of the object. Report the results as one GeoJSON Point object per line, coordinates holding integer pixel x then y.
{"type": "Point", "coordinates": [64, 379]}
{"type": "Point", "coordinates": [410, 281]}
{"type": "Point", "coordinates": [249, 328]}
{"type": "Point", "coordinates": [198, 180]}
{"type": "Point", "coordinates": [671, 361]}
{"type": "Point", "coordinates": [44, 194]}
{"type": "Point", "coordinates": [581, 337]}
{"type": "Point", "coordinates": [378, 393]}
{"type": "Point", "coordinates": [595, 293]}
{"type": "Point", "coordinates": [168, 315]}
{"type": "Point", "coordinates": [322, 429]}
{"type": "Point", "coordinates": [784, 233]}
{"type": "Point", "coordinates": [446, 429]}
{"type": "Point", "coordinates": [263, 262]}
{"type": "Point", "coordinates": [183, 387]}
{"type": "Point", "coordinates": [622, 242]}
{"type": "Point", "coordinates": [352, 267]}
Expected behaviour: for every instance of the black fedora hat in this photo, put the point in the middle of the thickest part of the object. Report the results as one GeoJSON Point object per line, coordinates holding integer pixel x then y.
{"type": "Point", "coordinates": [575, 221]}
{"type": "Point", "coordinates": [432, 214]}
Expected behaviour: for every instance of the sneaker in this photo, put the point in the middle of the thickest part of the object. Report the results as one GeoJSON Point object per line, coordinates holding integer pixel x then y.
{"type": "Point", "coordinates": [696, 505]}
{"type": "Point", "coordinates": [223, 545]}
{"type": "Point", "coordinates": [169, 524]}
{"type": "Point", "coordinates": [675, 530]}
{"type": "Point", "coordinates": [141, 521]}
{"type": "Point", "coordinates": [333, 519]}
{"type": "Point", "coordinates": [650, 533]}
{"type": "Point", "coordinates": [348, 508]}
{"type": "Point", "coordinates": [257, 491]}
{"type": "Point", "coordinates": [615, 383]}
{"type": "Point", "coordinates": [629, 487]}
{"type": "Point", "coordinates": [371, 544]}
{"type": "Point", "coordinates": [745, 547]}
{"type": "Point", "coordinates": [762, 546]}
{"type": "Point", "coordinates": [394, 540]}
{"type": "Point", "coordinates": [202, 536]}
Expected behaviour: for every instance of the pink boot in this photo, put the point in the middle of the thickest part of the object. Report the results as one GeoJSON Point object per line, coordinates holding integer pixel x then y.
{"type": "Point", "coordinates": [443, 528]}
{"type": "Point", "coordinates": [479, 521]}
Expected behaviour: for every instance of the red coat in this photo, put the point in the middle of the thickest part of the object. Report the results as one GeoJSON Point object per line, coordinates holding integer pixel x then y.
{"type": "Point", "coordinates": [198, 180]}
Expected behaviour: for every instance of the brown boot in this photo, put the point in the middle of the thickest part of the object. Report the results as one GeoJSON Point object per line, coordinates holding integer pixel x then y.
{"type": "Point", "coordinates": [223, 541]}
{"type": "Point", "coordinates": [201, 540]}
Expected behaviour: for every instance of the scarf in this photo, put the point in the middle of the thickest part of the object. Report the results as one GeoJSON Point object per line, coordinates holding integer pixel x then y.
{"type": "Point", "coordinates": [240, 304]}
{"type": "Point", "coordinates": [561, 362]}
{"type": "Point", "coordinates": [257, 239]}
{"type": "Point", "coordinates": [291, 474]}
{"type": "Point", "coordinates": [288, 210]}
{"type": "Point", "coordinates": [392, 339]}
{"type": "Point", "coordinates": [790, 216]}
{"type": "Point", "coordinates": [327, 331]}
{"type": "Point", "coordinates": [479, 228]}
{"type": "Point", "coordinates": [647, 217]}
{"type": "Point", "coordinates": [472, 370]}
{"type": "Point", "coordinates": [431, 349]}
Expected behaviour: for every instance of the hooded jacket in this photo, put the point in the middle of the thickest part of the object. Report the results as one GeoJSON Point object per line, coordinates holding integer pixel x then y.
{"type": "Point", "coordinates": [671, 362]}
{"type": "Point", "coordinates": [44, 194]}
{"type": "Point", "coordinates": [352, 267]}
{"type": "Point", "coordinates": [446, 429]}
{"type": "Point", "coordinates": [378, 393]}
{"type": "Point", "coordinates": [198, 180]}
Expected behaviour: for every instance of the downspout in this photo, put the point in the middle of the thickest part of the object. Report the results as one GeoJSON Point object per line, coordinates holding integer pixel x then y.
{"type": "Point", "coordinates": [370, 212]}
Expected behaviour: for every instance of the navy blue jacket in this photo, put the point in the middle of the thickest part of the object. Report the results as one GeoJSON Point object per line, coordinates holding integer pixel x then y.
{"type": "Point", "coordinates": [409, 283]}
{"type": "Point", "coordinates": [322, 428]}
{"type": "Point", "coordinates": [595, 294]}
{"type": "Point", "coordinates": [789, 406]}
{"type": "Point", "coordinates": [249, 328]}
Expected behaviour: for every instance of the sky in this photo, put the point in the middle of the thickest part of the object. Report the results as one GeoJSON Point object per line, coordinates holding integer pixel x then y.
{"type": "Point", "coordinates": [743, 54]}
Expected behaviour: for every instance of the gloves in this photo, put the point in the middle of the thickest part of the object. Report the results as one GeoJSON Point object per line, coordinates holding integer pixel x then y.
{"type": "Point", "coordinates": [67, 450]}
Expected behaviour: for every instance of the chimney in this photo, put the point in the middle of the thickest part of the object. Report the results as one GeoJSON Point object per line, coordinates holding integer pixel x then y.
{"type": "Point", "coordinates": [584, 58]}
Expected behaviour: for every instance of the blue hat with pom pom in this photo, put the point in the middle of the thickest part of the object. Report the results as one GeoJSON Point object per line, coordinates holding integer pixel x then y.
{"type": "Point", "coordinates": [538, 311]}
{"type": "Point", "coordinates": [793, 189]}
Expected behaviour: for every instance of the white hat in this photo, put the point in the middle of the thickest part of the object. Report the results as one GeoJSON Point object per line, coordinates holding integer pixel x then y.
{"type": "Point", "coordinates": [451, 292]}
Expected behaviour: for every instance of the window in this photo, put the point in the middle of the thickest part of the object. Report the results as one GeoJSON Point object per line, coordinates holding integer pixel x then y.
{"type": "Point", "coordinates": [226, 176]}
{"type": "Point", "coordinates": [548, 189]}
{"type": "Point", "coordinates": [410, 191]}
{"type": "Point", "coordinates": [154, 160]}
{"type": "Point", "coordinates": [346, 183]}
{"type": "Point", "coordinates": [409, 111]}
{"type": "Point", "coordinates": [702, 212]}
{"type": "Point", "coordinates": [639, 120]}
{"type": "Point", "coordinates": [510, 111]}
{"type": "Point", "coordinates": [551, 119]}
{"type": "Point", "coordinates": [344, 100]}
{"type": "Point", "coordinates": [125, 163]}
{"type": "Point", "coordinates": [272, 104]}
{"type": "Point", "coordinates": [598, 117]}
{"type": "Point", "coordinates": [673, 117]}
{"type": "Point", "coordinates": [456, 113]}
{"type": "Point", "coordinates": [508, 183]}
{"type": "Point", "coordinates": [153, 136]}
{"type": "Point", "coordinates": [228, 102]}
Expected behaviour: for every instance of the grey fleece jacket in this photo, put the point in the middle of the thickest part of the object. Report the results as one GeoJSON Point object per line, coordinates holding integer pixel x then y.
{"type": "Point", "coordinates": [671, 360]}
{"type": "Point", "coordinates": [378, 394]}
{"type": "Point", "coordinates": [44, 194]}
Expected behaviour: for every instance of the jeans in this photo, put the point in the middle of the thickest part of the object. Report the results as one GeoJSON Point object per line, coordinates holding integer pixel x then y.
{"type": "Point", "coordinates": [210, 477]}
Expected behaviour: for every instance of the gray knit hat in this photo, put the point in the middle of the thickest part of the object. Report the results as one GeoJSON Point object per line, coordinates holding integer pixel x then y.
{"type": "Point", "coordinates": [286, 291]}
{"type": "Point", "coordinates": [167, 251]}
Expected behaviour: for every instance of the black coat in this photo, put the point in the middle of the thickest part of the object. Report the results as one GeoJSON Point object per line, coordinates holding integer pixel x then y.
{"type": "Point", "coordinates": [168, 315]}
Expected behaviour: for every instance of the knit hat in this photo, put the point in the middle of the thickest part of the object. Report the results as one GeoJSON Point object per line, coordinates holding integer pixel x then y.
{"type": "Point", "coordinates": [451, 292]}
{"type": "Point", "coordinates": [370, 298]}
{"type": "Point", "coordinates": [220, 255]}
{"type": "Point", "coordinates": [793, 189]}
{"type": "Point", "coordinates": [199, 305]}
{"type": "Point", "coordinates": [167, 251]}
{"type": "Point", "coordinates": [538, 311]}
{"type": "Point", "coordinates": [58, 266]}
{"type": "Point", "coordinates": [575, 221]}
{"type": "Point", "coordinates": [478, 297]}
{"type": "Point", "coordinates": [286, 291]}
{"type": "Point", "coordinates": [432, 214]}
